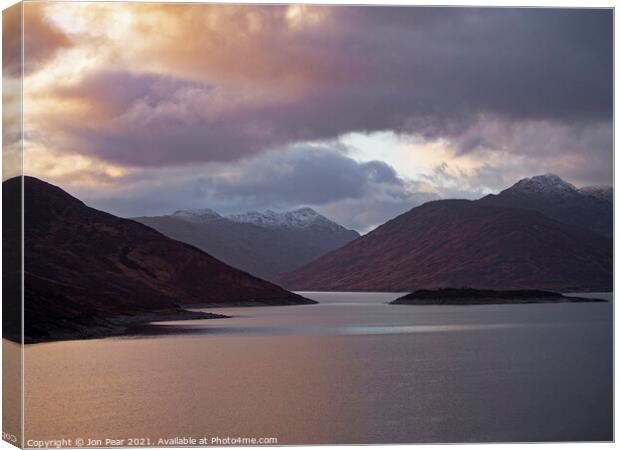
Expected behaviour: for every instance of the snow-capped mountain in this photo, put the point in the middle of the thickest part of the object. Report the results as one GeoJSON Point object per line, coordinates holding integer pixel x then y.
{"type": "Point", "coordinates": [602, 192]}
{"type": "Point", "coordinates": [588, 207]}
{"type": "Point", "coordinates": [542, 232]}
{"type": "Point", "coordinates": [196, 214]}
{"type": "Point", "coordinates": [262, 243]}
{"type": "Point", "coordinates": [548, 183]}
{"type": "Point", "coordinates": [299, 218]}
{"type": "Point", "coordinates": [551, 184]}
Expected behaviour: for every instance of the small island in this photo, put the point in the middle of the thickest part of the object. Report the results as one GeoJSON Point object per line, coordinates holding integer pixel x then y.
{"type": "Point", "coordinates": [469, 296]}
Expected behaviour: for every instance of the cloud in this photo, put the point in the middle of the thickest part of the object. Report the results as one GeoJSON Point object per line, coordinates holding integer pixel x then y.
{"type": "Point", "coordinates": [500, 153]}
{"type": "Point", "coordinates": [292, 74]}
{"type": "Point", "coordinates": [318, 177]}
{"type": "Point", "coordinates": [307, 175]}
{"type": "Point", "coordinates": [11, 41]}
{"type": "Point", "coordinates": [365, 214]}
{"type": "Point", "coordinates": [41, 39]}
{"type": "Point", "coordinates": [249, 106]}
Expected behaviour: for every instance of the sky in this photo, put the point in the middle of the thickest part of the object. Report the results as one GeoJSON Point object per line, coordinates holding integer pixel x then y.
{"type": "Point", "coordinates": [358, 112]}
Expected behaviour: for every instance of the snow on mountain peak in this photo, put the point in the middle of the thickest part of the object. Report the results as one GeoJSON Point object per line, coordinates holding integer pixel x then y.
{"type": "Point", "coordinates": [196, 214]}
{"type": "Point", "coordinates": [601, 192]}
{"type": "Point", "coordinates": [545, 184]}
{"type": "Point", "coordinates": [299, 218]}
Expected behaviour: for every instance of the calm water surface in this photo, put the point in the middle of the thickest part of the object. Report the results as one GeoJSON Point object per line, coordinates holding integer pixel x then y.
{"type": "Point", "coordinates": [349, 370]}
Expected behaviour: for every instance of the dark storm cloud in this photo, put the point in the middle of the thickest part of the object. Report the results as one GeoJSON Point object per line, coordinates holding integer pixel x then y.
{"type": "Point", "coordinates": [312, 176]}
{"type": "Point", "coordinates": [519, 63]}
{"type": "Point", "coordinates": [434, 72]}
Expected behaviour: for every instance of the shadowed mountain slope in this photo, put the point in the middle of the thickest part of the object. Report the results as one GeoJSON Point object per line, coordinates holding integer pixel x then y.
{"type": "Point", "coordinates": [83, 266]}
{"type": "Point", "coordinates": [454, 243]}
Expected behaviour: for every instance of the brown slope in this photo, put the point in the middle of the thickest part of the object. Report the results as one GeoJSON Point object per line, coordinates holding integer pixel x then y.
{"type": "Point", "coordinates": [452, 243]}
{"type": "Point", "coordinates": [82, 265]}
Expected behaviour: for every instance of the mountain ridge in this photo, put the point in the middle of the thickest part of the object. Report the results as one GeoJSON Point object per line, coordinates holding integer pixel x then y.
{"type": "Point", "coordinates": [448, 243]}
{"type": "Point", "coordinates": [599, 191]}
{"type": "Point", "coordinates": [265, 245]}
{"type": "Point", "coordinates": [298, 218]}
{"type": "Point", "coordinates": [588, 207]}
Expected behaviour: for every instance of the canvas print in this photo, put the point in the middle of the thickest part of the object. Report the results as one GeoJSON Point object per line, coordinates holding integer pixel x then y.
{"type": "Point", "coordinates": [298, 224]}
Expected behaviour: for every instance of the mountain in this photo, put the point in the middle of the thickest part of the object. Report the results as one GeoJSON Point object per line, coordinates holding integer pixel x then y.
{"type": "Point", "coordinates": [264, 244]}
{"type": "Point", "coordinates": [197, 215]}
{"type": "Point", "coordinates": [601, 192]}
{"type": "Point", "coordinates": [455, 243]}
{"type": "Point", "coordinates": [84, 266]}
{"type": "Point", "coordinates": [588, 207]}
{"type": "Point", "coordinates": [299, 218]}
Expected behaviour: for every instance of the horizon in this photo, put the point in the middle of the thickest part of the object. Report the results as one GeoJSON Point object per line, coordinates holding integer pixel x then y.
{"type": "Point", "coordinates": [381, 109]}
{"type": "Point", "coordinates": [361, 232]}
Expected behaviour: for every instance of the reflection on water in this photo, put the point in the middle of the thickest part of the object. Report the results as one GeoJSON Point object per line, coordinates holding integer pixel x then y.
{"type": "Point", "coordinates": [349, 370]}
{"type": "Point", "coordinates": [184, 328]}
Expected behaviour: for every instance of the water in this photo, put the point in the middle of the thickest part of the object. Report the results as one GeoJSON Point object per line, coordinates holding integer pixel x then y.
{"type": "Point", "coordinates": [349, 370]}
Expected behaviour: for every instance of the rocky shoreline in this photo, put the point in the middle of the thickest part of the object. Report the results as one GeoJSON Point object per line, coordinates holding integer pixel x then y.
{"type": "Point", "coordinates": [96, 327]}
{"type": "Point", "coordinates": [101, 327]}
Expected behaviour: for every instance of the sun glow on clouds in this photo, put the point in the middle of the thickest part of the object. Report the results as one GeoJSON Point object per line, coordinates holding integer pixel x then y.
{"type": "Point", "coordinates": [71, 169]}
{"type": "Point", "coordinates": [191, 41]}
{"type": "Point", "coordinates": [116, 92]}
{"type": "Point", "coordinates": [144, 40]}
{"type": "Point", "coordinates": [115, 21]}
{"type": "Point", "coordinates": [304, 15]}
{"type": "Point", "coordinates": [436, 164]}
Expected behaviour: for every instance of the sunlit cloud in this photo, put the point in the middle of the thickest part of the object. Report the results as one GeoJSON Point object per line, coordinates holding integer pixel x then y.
{"type": "Point", "coordinates": [71, 169]}
{"type": "Point", "coordinates": [117, 91]}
